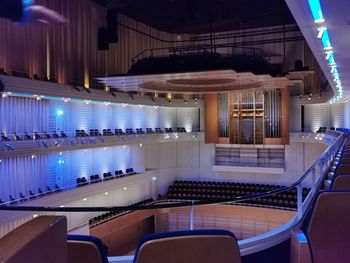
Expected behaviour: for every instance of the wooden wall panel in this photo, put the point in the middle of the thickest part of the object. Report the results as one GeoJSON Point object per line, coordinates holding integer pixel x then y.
{"type": "Point", "coordinates": [211, 122]}
{"type": "Point", "coordinates": [71, 49]}
{"type": "Point", "coordinates": [243, 221]}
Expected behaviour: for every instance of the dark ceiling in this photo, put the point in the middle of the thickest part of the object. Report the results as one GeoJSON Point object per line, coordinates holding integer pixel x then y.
{"type": "Point", "coordinates": [203, 16]}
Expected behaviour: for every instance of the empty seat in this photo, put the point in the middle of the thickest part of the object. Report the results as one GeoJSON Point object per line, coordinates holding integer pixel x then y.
{"type": "Point", "coordinates": [15, 137]}
{"type": "Point", "coordinates": [26, 136]}
{"type": "Point", "coordinates": [4, 137]}
{"type": "Point", "coordinates": [57, 188]}
{"type": "Point", "coordinates": [87, 249]}
{"type": "Point", "coordinates": [42, 239]}
{"type": "Point", "coordinates": [197, 246]}
{"type": "Point", "coordinates": [326, 236]}
{"type": "Point", "coordinates": [31, 194]}
{"type": "Point", "coordinates": [63, 135]}
{"type": "Point", "coordinates": [36, 136]}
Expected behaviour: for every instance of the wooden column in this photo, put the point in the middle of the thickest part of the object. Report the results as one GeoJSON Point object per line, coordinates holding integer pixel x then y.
{"type": "Point", "coordinates": [211, 122]}
{"type": "Point", "coordinates": [285, 115]}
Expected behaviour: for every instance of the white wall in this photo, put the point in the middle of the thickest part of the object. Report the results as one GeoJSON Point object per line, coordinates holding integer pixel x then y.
{"type": "Point", "coordinates": [324, 115]}
{"type": "Point", "coordinates": [197, 159]}
{"type": "Point", "coordinates": [347, 114]}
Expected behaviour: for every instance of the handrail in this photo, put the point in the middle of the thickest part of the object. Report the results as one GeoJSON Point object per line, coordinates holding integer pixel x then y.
{"type": "Point", "coordinates": [171, 203]}
{"type": "Point", "coordinates": [249, 245]}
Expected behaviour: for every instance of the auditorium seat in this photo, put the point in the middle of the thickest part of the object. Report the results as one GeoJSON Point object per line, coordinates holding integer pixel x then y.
{"type": "Point", "coordinates": [36, 136]}
{"type": "Point", "coordinates": [57, 188]}
{"type": "Point", "coordinates": [107, 176]}
{"type": "Point", "coordinates": [159, 130]}
{"type": "Point", "coordinates": [325, 237]}
{"type": "Point", "coordinates": [46, 135]}
{"type": "Point", "coordinates": [340, 183]}
{"type": "Point", "coordinates": [40, 192]}
{"type": "Point", "coordinates": [15, 137]}
{"type": "Point", "coordinates": [26, 136]}
{"type": "Point", "coordinates": [149, 130]}
{"type": "Point", "coordinates": [87, 249]}
{"type": "Point", "coordinates": [4, 137]}
{"type": "Point", "coordinates": [194, 246]}
{"type": "Point", "coordinates": [63, 135]}
{"type": "Point", "coordinates": [226, 191]}
{"type": "Point", "coordinates": [12, 200]}
{"type": "Point", "coordinates": [119, 132]}
{"type": "Point", "coordinates": [55, 135]}
{"type": "Point", "coordinates": [42, 239]}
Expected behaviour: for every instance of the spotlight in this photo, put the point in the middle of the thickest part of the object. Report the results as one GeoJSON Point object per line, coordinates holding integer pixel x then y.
{"type": "Point", "coordinates": [169, 101]}
{"type": "Point", "coordinates": [185, 100]}
{"type": "Point", "coordinates": [310, 96]}
{"type": "Point", "coordinates": [301, 96]}
{"type": "Point", "coordinates": [195, 101]}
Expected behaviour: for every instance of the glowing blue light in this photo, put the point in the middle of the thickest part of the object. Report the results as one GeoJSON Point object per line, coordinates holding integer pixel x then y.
{"type": "Point", "coordinates": [316, 10]}
{"type": "Point", "coordinates": [326, 42]}
{"type": "Point", "coordinates": [59, 112]}
{"type": "Point", "coordinates": [60, 161]}
{"type": "Point", "coordinates": [331, 60]}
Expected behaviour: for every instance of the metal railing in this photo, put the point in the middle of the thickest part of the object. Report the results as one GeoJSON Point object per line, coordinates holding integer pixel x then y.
{"type": "Point", "coordinates": [316, 173]}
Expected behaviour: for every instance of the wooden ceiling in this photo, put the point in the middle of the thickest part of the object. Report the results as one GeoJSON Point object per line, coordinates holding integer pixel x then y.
{"type": "Point", "coordinates": [203, 82]}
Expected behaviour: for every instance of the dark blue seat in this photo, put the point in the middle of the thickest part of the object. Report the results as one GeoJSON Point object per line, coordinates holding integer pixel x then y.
{"type": "Point", "coordinates": [86, 249]}
{"type": "Point", "coordinates": [191, 246]}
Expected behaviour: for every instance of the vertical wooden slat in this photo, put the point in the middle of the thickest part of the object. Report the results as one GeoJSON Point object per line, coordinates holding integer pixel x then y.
{"type": "Point", "coordinates": [211, 121]}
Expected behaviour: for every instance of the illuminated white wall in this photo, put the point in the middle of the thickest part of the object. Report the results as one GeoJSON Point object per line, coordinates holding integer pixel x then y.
{"type": "Point", "coordinates": [73, 116]}
{"type": "Point", "coordinates": [347, 114]}
{"type": "Point", "coordinates": [324, 115]}
{"type": "Point", "coordinates": [23, 115]}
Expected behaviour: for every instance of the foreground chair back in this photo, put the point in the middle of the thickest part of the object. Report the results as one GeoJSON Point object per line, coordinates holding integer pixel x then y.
{"type": "Point", "coordinates": [197, 246]}
{"type": "Point", "coordinates": [327, 237]}
{"type": "Point", "coordinates": [42, 239]}
{"type": "Point", "coordinates": [87, 249]}
{"type": "Point", "coordinates": [341, 183]}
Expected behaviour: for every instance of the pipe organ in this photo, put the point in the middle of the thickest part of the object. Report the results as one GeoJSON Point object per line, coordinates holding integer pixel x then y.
{"type": "Point", "coordinates": [248, 117]}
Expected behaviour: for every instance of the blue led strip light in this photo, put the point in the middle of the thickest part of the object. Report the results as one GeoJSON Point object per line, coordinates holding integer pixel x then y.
{"type": "Point", "coordinates": [323, 35]}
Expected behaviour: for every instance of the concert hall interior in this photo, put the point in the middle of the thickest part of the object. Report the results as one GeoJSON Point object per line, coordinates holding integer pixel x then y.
{"type": "Point", "coordinates": [174, 131]}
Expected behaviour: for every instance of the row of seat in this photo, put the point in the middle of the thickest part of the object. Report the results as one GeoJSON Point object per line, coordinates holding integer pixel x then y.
{"type": "Point", "coordinates": [35, 136]}
{"type": "Point", "coordinates": [97, 220]}
{"type": "Point", "coordinates": [338, 177]}
{"type": "Point", "coordinates": [108, 132]}
{"type": "Point", "coordinates": [31, 195]}
{"type": "Point", "coordinates": [229, 190]}
{"type": "Point", "coordinates": [81, 181]}
{"type": "Point", "coordinates": [82, 133]}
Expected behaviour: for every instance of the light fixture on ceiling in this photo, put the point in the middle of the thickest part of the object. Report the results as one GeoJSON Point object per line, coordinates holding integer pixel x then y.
{"type": "Point", "coordinates": [321, 31]}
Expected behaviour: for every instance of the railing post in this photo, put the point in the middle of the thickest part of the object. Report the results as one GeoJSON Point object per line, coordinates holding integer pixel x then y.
{"type": "Point", "coordinates": [192, 216]}
{"type": "Point", "coordinates": [313, 175]}
{"type": "Point", "coordinates": [300, 200]}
